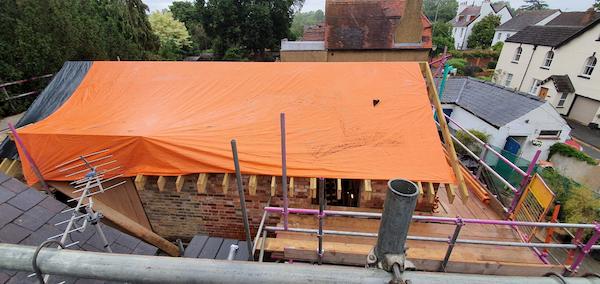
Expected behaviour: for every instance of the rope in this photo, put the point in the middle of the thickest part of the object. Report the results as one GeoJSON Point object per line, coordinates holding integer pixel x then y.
{"type": "Point", "coordinates": [36, 268]}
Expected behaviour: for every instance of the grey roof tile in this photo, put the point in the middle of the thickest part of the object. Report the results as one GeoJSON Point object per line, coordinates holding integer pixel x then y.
{"type": "Point", "coordinates": [492, 103]}
{"type": "Point", "coordinates": [3, 178]}
{"type": "Point", "coordinates": [53, 205]}
{"type": "Point", "coordinates": [544, 35]}
{"type": "Point", "coordinates": [8, 213]}
{"type": "Point", "coordinates": [14, 185]}
{"type": "Point", "coordinates": [33, 218]}
{"type": "Point", "coordinates": [21, 278]}
{"type": "Point", "coordinates": [4, 277]}
{"type": "Point", "coordinates": [13, 234]}
{"type": "Point", "coordinates": [26, 199]}
{"type": "Point", "coordinates": [576, 19]}
{"type": "Point", "coordinates": [6, 195]}
{"type": "Point", "coordinates": [127, 241]}
{"type": "Point", "coordinates": [117, 248]}
{"type": "Point", "coordinates": [525, 19]}
{"type": "Point", "coordinates": [144, 248]}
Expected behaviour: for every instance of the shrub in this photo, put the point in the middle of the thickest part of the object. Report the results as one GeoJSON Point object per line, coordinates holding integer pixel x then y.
{"type": "Point", "coordinates": [498, 47]}
{"type": "Point", "coordinates": [492, 65]}
{"type": "Point", "coordinates": [469, 142]}
{"type": "Point", "coordinates": [471, 70]}
{"type": "Point", "coordinates": [569, 151]}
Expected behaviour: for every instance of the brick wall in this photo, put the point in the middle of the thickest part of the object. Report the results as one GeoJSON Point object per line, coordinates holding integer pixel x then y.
{"type": "Point", "coordinates": [187, 213]}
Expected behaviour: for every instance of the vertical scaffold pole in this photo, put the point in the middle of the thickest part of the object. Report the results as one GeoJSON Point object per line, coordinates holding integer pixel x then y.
{"type": "Point", "coordinates": [584, 251]}
{"type": "Point", "coordinates": [284, 173]}
{"type": "Point", "coordinates": [32, 163]}
{"type": "Point", "coordinates": [240, 187]}
{"type": "Point", "coordinates": [451, 244]}
{"type": "Point", "coordinates": [322, 202]}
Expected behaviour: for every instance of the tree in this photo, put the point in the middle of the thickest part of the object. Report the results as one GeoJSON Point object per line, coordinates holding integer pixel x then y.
{"type": "Point", "coordinates": [172, 34]}
{"type": "Point", "coordinates": [597, 5]}
{"type": "Point", "coordinates": [191, 13]}
{"type": "Point", "coordinates": [442, 36]}
{"type": "Point", "coordinates": [483, 32]}
{"type": "Point", "coordinates": [440, 10]}
{"type": "Point", "coordinates": [305, 19]}
{"type": "Point", "coordinates": [534, 5]}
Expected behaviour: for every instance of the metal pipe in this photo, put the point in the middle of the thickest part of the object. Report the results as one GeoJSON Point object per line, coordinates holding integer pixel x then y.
{"type": "Point", "coordinates": [432, 239]}
{"type": "Point", "coordinates": [284, 172]}
{"type": "Point", "coordinates": [321, 217]}
{"type": "Point", "coordinates": [524, 183]}
{"type": "Point", "coordinates": [161, 269]}
{"type": "Point", "coordinates": [240, 188]}
{"type": "Point", "coordinates": [29, 159]}
{"type": "Point", "coordinates": [262, 247]}
{"type": "Point", "coordinates": [232, 251]}
{"type": "Point", "coordinates": [398, 207]}
{"type": "Point", "coordinates": [584, 252]}
{"type": "Point", "coordinates": [260, 227]}
{"type": "Point", "coordinates": [435, 218]}
{"type": "Point", "coordinates": [451, 245]}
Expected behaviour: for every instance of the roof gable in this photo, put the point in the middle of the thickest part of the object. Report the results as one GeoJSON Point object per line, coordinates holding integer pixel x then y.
{"type": "Point", "coordinates": [525, 19]}
{"type": "Point", "coordinates": [492, 103]}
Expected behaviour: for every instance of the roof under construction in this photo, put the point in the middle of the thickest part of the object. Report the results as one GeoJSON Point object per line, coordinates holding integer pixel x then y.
{"type": "Point", "coordinates": [344, 120]}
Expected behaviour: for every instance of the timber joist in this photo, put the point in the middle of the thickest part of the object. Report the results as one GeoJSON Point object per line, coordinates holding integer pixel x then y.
{"type": "Point", "coordinates": [427, 190]}
{"type": "Point", "coordinates": [11, 168]}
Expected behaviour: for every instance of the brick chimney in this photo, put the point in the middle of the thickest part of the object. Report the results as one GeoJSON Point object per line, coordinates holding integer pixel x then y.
{"type": "Point", "coordinates": [588, 17]}
{"type": "Point", "coordinates": [410, 27]}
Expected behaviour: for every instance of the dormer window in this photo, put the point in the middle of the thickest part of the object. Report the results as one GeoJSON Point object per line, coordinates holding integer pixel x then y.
{"type": "Point", "coordinates": [548, 59]}
{"type": "Point", "coordinates": [590, 64]}
{"type": "Point", "coordinates": [518, 53]}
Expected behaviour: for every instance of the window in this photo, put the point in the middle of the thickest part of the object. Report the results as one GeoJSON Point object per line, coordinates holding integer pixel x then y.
{"type": "Point", "coordinates": [535, 86]}
{"type": "Point", "coordinates": [518, 53]}
{"type": "Point", "coordinates": [563, 98]}
{"type": "Point", "coordinates": [549, 134]}
{"type": "Point", "coordinates": [462, 31]}
{"type": "Point", "coordinates": [509, 78]}
{"type": "Point", "coordinates": [548, 59]}
{"type": "Point", "coordinates": [499, 36]}
{"type": "Point", "coordinates": [590, 64]}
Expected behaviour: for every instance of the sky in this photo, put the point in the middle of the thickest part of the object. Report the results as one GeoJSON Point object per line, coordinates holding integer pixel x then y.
{"type": "Point", "coordinates": [311, 5]}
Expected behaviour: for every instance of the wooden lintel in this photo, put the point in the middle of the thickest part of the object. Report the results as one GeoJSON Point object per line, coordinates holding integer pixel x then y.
{"type": "Point", "coordinates": [291, 187]}
{"type": "Point", "coordinates": [448, 143]}
{"type": "Point", "coordinates": [450, 192]}
{"type": "Point", "coordinates": [368, 188]}
{"type": "Point", "coordinates": [273, 185]}
{"type": "Point", "coordinates": [252, 183]}
{"type": "Point", "coordinates": [430, 193]}
{"type": "Point", "coordinates": [313, 187]}
{"type": "Point", "coordinates": [140, 182]}
{"type": "Point", "coordinates": [5, 164]}
{"type": "Point", "coordinates": [179, 182]}
{"type": "Point", "coordinates": [201, 183]}
{"type": "Point", "coordinates": [225, 183]}
{"type": "Point", "coordinates": [161, 182]}
{"type": "Point", "coordinates": [339, 188]}
{"type": "Point", "coordinates": [14, 169]}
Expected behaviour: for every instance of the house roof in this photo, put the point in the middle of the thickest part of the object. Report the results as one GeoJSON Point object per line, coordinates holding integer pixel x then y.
{"type": "Point", "coordinates": [368, 24]}
{"type": "Point", "coordinates": [498, 6]}
{"type": "Point", "coordinates": [525, 19]}
{"type": "Point", "coordinates": [492, 103]}
{"type": "Point", "coordinates": [562, 83]}
{"type": "Point", "coordinates": [575, 19]}
{"type": "Point", "coordinates": [466, 18]}
{"type": "Point", "coordinates": [544, 35]}
{"type": "Point", "coordinates": [28, 217]}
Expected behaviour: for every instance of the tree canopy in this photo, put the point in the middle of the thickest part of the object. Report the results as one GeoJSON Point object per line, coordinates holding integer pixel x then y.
{"type": "Point", "coordinates": [482, 34]}
{"type": "Point", "coordinates": [442, 36]}
{"type": "Point", "coordinates": [172, 34]}
{"type": "Point", "coordinates": [597, 5]}
{"type": "Point", "coordinates": [534, 5]}
{"type": "Point", "coordinates": [305, 19]}
{"type": "Point", "coordinates": [191, 13]}
{"type": "Point", "coordinates": [440, 10]}
{"type": "Point", "coordinates": [39, 36]}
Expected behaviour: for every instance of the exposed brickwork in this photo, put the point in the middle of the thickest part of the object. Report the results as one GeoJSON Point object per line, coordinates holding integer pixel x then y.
{"type": "Point", "coordinates": [314, 32]}
{"type": "Point", "coordinates": [188, 213]}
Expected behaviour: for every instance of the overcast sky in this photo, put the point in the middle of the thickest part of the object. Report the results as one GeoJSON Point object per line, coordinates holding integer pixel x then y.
{"type": "Point", "coordinates": [310, 5]}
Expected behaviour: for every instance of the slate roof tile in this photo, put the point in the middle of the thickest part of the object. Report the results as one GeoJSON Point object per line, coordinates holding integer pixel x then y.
{"type": "Point", "coordinates": [13, 234]}
{"type": "Point", "coordinates": [525, 19]}
{"type": "Point", "coordinates": [14, 185]}
{"type": "Point", "coordinates": [26, 199]}
{"type": "Point", "coordinates": [144, 248]}
{"type": "Point", "coordinates": [8, 213]}
{"type": "Point", "coordinates": [127, 241]}
{"type": "Point", "coordinates": [6, 195]}
{"type": "Point", "coordinates": [3, 178]}
{"type": "Point", "coordinates": [53, 205]}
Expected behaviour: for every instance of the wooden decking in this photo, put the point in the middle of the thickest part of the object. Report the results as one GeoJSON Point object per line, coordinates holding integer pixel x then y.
{"type": "Point", "coordinates": [350, 250]}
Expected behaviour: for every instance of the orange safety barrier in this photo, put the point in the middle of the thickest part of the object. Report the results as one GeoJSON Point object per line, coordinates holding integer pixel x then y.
{"type": "Point", "coordinates": [344, 120]}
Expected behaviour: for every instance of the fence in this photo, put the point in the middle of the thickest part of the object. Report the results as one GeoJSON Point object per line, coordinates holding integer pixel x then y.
{"type": "Point", "coordinates": [24, 88]}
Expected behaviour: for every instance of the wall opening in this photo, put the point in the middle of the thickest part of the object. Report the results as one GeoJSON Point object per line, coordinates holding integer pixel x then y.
{"type": "Point", "coordinates": [348, 197]}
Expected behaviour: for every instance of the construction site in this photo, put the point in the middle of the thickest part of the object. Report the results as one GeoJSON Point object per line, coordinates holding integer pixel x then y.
{"type": "Point", "coordinates": [306, 165]}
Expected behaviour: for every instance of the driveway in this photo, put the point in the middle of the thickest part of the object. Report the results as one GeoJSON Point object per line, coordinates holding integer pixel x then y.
{"type": "Point", "coordinates": [588, 138]}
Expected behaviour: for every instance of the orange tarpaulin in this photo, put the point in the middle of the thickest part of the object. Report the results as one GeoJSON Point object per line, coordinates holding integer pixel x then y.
{"type": "Point", "coordinates": [177, 118]}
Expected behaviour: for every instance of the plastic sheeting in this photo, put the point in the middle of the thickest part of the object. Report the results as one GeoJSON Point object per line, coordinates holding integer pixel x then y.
{"type": "Point", "coordinates": [344, 120]}
{"type": "Point", "coordinates": [60, 88]}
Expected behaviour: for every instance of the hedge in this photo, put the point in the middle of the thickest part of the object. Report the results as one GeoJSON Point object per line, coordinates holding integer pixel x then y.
{"type": "Point", "coordinates": [569, 151]}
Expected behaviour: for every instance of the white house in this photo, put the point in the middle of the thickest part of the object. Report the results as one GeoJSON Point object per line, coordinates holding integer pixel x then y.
{"type": "Point", "coordinates": [557, 63]}
{"type": "Point", "coordinates": [523, 20]}
{"type": "Point", "coordinates": [514, 121]}
{"type": "Point", "coordinates": [469, 15]}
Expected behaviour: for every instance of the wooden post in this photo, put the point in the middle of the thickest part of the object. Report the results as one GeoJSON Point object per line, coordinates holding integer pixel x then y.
{"type": "Point", "coordinates": [252, 185]}
{"type": "Point", "coordinates": [291, 187]}
{"type": "Point", "coordinates": [201, 183]}
{"type": "Point", "coordinates": [368, 189]}
{"type": "Point", "coordinates": [435, 100]}
{"type": "Point", "coordinates": [5, 164]}
{"type": "Point", "coordinates": [339, 188]}
{"type": "Point", "coordinates": [179, 183]}
{"type": "Point", "coordinates": [450, 192]}
{"type": "Point", "coordinates": [162, 181]}
{"type": "Point", "coordinates": [225, 183]}
{"type": "Point", "coordinates": [140, 182]}
{"type": "Point", "coordinates": [313, 187]}
{"type": "Point", "coordinates": [273, 185]}
{"type": "Point", "coordinates": [430, 193]}
{"type": "Point", "coordinates": [14, 169]}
